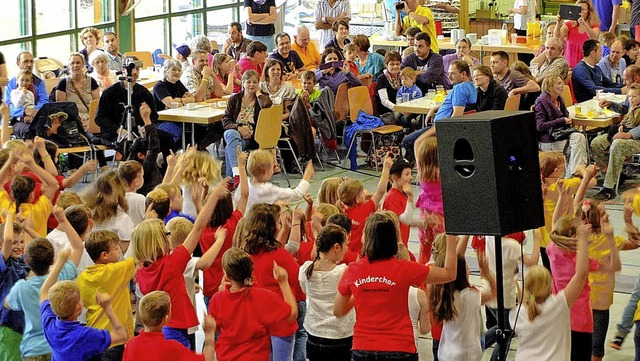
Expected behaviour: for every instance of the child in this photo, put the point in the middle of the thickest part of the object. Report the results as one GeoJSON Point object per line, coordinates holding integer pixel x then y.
{"type": "Point", "coordinates": [411, 41]}
{"type": "Point", "coordinates": [109, 275]}
{"type": "Point", "coordinates": [24, 295]}
{"type": "Point", "coordinates": [175, 202]}
{"type": "Point", "coordinates": [23, 97]}
{"type": "Point", "coordinates": [350, 56]}
{"type": "Point", "coordinates": [195, 169]}
{"type": "Point", "coordinates": [60, 306]}
{"type": "Point", "coordinates": [333, 77]}
{"type": "Point", "coordinates": [79, 216]}
{"type": "Point", "coordinates": [132, 174]}
{"type": "Point", "coordinates": [160, 269]}
{"type": "Point", "coordinates": [261, 190]}
{"type": "Point", "coordinates": [146, 150]}
{"type": "Point", "coordinates": [264, 311]}
{"type": "Point", "coordinates": [155, 313]}
{"type": "Point", "coordinates": [309, 93]}
{"type": "Point", "coordinates": [606, 38]}
{"type": "Point", "coordinates": [409, 87]}
{"type": "Point", "coordinates": [632, 118]}
{"type": "Point", "coordinates": [302, 238]}
{"type": "Point", "coordinates": [157, 204]}
{"type": "Point", "coordinates": [329, 190]}
{"type": "Point", "coordinates": [329, 336]}
{"type": "Point", "coordinates": [401, 177]}
{"type": "Point", "coordinates": [352, 199]}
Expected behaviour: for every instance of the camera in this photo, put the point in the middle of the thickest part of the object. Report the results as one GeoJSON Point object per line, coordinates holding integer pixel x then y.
{"type": "Point", "coordinates": [399, 5]}
{"type": "Point", "coordinates": [131, 63]}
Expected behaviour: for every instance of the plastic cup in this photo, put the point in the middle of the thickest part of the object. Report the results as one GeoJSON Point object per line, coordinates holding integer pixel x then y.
{"type": "Point", "coordinates": [405, 97]}
{"type": "Point", "coordinates": [175, 105]}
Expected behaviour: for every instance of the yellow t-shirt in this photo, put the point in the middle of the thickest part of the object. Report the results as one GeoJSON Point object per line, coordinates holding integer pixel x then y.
{"type": "Point", "coordinates": [112, 278]}
{"type": "Point", "coordinates": [602, 283]}
{"type": "Point", "coordinates": [39, 211]}
{"type": "Point", "coordinates": [636, 316]}
{"type": "Point", "coordinates": [430, 28]}
{"type": "Point", "coordinates": [309, 55]}
{"type": "Point", "coordinates": [636, 204]}
{"type": "Point", "coordinates": [549, 204]}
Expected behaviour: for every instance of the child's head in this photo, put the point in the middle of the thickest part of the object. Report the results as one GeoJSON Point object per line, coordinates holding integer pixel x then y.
{"type": "Point", "coordinates": [341, 220]}
{"type": "Point", "coordinates": [324, 211]}
{"type": "Point", "coordinates": [329, 190]}
{"type": "Point", "coordinates": [159, 202]}
{"type": "Point", "coordinates": [523, 68]}
{"type": "Point", "coordinates": [439, 248]}
{"type": "Point", "coordinates": [103, 246]}
{"type": "Point", "coordinates": [634, 94]}
{"type": "Point", "coordinates": [260, 165]}
{"type": "Point", "coordinates": [607, 38]}
{"type": "Point", "coordinates": [351, 192]}
{"type": "Point", "coordinates": [238, 266]}
{"type": "Point", "coordinates": [132, 174]}
{"type": "Point", "coordinates": [263, 228]}
{"type": "Point", "coordinates": [332, 244]}
{"type": "Point", "coordinates": [350, 52]}
{"type": "Point", "coordinates": [427, 160]}
{"type": "Point", "coordinates": [39, 256]}
{"type": "Point", "coordinates": [69, 198]}
{"type": "Point", "coordinates": [380, 237]}
{"type": "Point", "coordinates": [17, 145]}
{"type": "Point", "coordinates": [25, 78]}
{"type": "Point", "coordinates": [17, 248]}
{"type": "Point", "coordinates": [241, 232]}
{"type": "Point", "coordinates": [52, 151]}
{"type": "Point", "coordinates": [179, 227]}
{"type": "Point", "coordinates": [150, 241]}
{"type": "Point", "coordinates": [401, 173]}
{"type": "Point", "coordinates": [222, 212]}
{"type": "Point", "coordinates": [154, 310]}
{"type": "Point", "coordinates": [79, 216]}
{"type": "Point", "coordinates": [308, 81]}
{"type": "Point", "coordinates": [138, 150]}
{"type": "Point", "coordinates": [106, 196]}
{"type": "Point", "coordinates": [411, 35]}
{"type": "Point", "coordinates": [65, 300]}
{"type": "Point", "coordinates": [592, 211]}
{"type": "Point", "coordinates": [408, 77]}
{"type": "Point", "coordinates": [198, 165]}
{"type": "Point", "coordinates": [22, 188]}
{"type": "Point", "coordinates": [564, 233]}
{"type": "Point", "coordinates": [175, 195]}
{"type": "Point", "coordinates": [551, 164]}
{"type": "Point", "coordinates": [538, 285]}
{"type": "Point", "coordinates": [396, 221]}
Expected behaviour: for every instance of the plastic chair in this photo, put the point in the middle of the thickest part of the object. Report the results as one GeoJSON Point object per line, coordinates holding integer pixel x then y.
{"type": "Point", "coordinates": [144, 56]}
{"type": "Point", "coordinates": [512, 103]}
{"type": "Point", "coordinates": [567, 96]}
{"type": "Point", "coordinates": [268, 130]}
{"type": "Point", "coordinates": [573, 94]}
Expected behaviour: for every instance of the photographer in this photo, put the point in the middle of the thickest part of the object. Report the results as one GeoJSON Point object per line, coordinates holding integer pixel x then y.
{"type": "Point", "coordinates": [417, 16]}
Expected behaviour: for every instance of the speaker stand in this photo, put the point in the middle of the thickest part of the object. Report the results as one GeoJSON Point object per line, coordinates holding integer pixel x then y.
{"type": "Point", "coordinates": [501, 332]}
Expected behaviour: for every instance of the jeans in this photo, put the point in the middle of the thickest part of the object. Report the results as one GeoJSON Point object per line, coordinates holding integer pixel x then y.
{"type": "Point", "coordinates": [300, 346]}
{"type": "Point", "coordinates": [321, 349]}
{"type": "Point", "coordinates": [434, 349]}
{"type": "Point", "coordinates": [233, 139]}
{"type": "Point", "coordinates": [490, 336]}
{"type": "Point", "coordinates": [626, 322]}
{"type": "Point", "coordinates": [268, 40]}
{"type": "Point", "coordinates": [178, 334]}
{"type": "Point", "coordinates": [282, 348]}
{"type": "Point", "coordinates": [599, 335]}
{"type": "Point", "coordinates": [409, 140]}
{"type": "Point", "coordinates": [358, 355]}
{"type": "Point", "coordinates": [577, 150]}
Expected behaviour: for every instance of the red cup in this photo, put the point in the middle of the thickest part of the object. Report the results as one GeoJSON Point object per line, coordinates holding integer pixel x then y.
{"type": "Point", "coordinates": [637, 32]}
{"type": "Point", "coordinates": [439, 28]}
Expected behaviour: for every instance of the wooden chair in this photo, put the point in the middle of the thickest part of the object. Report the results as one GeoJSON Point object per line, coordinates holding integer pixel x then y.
{"type": "Point", "coordinates": [341, 104]}
{"type": "Point", "coordinates": [567, 96]}
{"type": "Point", "coordinates": [144, 56]}
{"type": "Point", "coordinates": [93, 111]}
{"type": "Point", "coordinates": [512, 103]}
{"type": "Point", "coordinates": [268, 130]}
{"type": "Point", "coordinates": [50, 83]}
{"type": "Point", "coordinates": [365, 80]}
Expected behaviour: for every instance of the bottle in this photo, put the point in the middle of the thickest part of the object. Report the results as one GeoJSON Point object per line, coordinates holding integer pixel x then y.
{"type": "Point", "coordinates": [504, 33]}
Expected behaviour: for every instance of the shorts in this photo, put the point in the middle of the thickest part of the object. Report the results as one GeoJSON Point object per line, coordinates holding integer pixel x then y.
{"type": "Point", "coordinates": [10, 341]}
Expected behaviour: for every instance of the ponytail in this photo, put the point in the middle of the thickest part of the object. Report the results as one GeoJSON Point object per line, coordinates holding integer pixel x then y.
{"type": "Point", "coordinates": [330, 235]}
{"type": "Point", "coordinates": [537, 288]}
{"type": "Point", "coordinates": [533, 309]}
{"type": "Point", "coordinates": [309, 270]}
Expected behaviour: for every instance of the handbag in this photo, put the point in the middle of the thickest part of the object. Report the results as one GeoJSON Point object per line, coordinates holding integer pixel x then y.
{"type": "Point", "coordinates": [557, 134]}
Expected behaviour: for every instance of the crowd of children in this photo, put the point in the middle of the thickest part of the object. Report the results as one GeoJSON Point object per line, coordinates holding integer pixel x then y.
{"type": "Point", "coordinates": [111, 273]}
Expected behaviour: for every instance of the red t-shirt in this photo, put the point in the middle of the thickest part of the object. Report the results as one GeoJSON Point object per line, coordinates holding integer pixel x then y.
{"type": "Point", "coordinates": [245, 64]}
{"type": "Point", "coordinates": [246, 319]}
{"type": "Point", "coordinates": [263, 271]}
{"type": "Point", "coordinates": [152, 345]}
{"type": "Point", "coordinates": [396, 201]}
{"type": "Point", "coordinates": [304, 252]}
{"type": "Point", "coordinates": [359, 215]}
{"type": "Point", "coordinates": [166, 274]}
{"type": "Point", "coordinates": [380, 290]}
{"type": "Point", "coordinates": [213, 274]}
{"type": "Point", "coordinates": [52, 222]}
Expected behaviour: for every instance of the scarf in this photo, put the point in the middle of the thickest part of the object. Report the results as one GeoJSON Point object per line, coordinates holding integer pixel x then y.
{"type": "Point", "coordinates": [393, 81]}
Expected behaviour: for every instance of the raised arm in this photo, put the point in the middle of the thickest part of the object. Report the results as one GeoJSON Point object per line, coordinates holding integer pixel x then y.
{"type": "Point", "coordinates": [50, 182]}
{"type": "Point", "coordinates": [118, 332]}
{"type": "Point", "coordinates": [7, 244]}
{"type": "Point", "coordinates": [532, 259]}
{"type": "Point", "coordinates": [282, 277]}
{"type": "Point", "coordinates": [613, 264]}
{"type": "Point", "coordinates": [74, 178]}
{"type": "Point", "coordinates": [52, 278]}
{"type": "Point", "coordinates": [210, 255]}
{"type": "Point", "coordinates": [77, 247]}
{"type": "Point", "coordinates": [487, 294]}
{"type": "Point", "coordinates": [574, 288]}
{"type": "Point", "coordinates": [588, 175]}
{"type": "Point", "coordinates": [6, 115]}
{"type": "Point", "coordinates": [448, 273]}
{"type": "Point", "coordinates": [384, 180]}
{"type": "Point", "coordinates": [244, 181]}
{"type": "Point", "coordinates": [204, 216]}
{"type": "Point", "coordinates": [424, 322]}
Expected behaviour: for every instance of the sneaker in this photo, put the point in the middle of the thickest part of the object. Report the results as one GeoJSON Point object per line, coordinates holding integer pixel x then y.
{"type": "Point", "coordinates": [616, 342]}
{"type": "Point", "coordinates": [605, 194]}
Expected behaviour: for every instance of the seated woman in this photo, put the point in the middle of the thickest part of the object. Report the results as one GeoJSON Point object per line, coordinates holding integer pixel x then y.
{"type": "Point", "coordinates": [551, 113]}
{"type": "Point", "coordinates": [368, 63]}
{"type": "Point", "coordinates": [387, 87]}
{"type": "Point", "coordinates": [333, 77]}
{"type": "Point", "coordinates": [104, 76]}
{"type": "Point", "coordinates": [280, 92]}
{"type": "Point", "coordinates": [463, 52]}
{"type": "Point", "coordinates": [340, 37]}
{"type": "Point", "coordinates": [491, 96]}
{"type": "Point", "coordinates": [222, 68]}
{"type": "Point", "coordinates": [90, 38]}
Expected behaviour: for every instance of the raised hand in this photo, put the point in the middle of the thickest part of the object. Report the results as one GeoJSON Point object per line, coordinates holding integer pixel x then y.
{"type": "Point", "coordinates": [279, 273]}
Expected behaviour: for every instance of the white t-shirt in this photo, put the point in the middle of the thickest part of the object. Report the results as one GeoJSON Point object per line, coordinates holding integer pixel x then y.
{"type": "Point", "coordinates": [520, 21]}
{"type": "Point", "coordinates": [460, 340]}
{"type": "Point", "coordinates": [136, 207]}
{"type": "Point", "coordinates": [414, 312]}
{"type": "Point", "coordinates": [271, 193]}
{"type": "Point", "coordinates": [548, 336]}
{"type": "Point", "coordinates": [188, 207]}
{"type": "Point", "coordinates": [120, 224]}
{"type": "Point", "coordinates": [189, 275]}
{"type": "Point", "coordinates": [60, 240]}
{"type": "Point", "coordinates": [321, 293]}
{"type": "Point", "coordinates": [510, 258]}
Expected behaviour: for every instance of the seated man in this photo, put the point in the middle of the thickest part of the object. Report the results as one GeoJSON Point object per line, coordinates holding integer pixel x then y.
{"type": "Point", "coordinates": [21, 116]}
{"type": "Point", "coordinates": [463, 52]}
{"type": "Point", "coordinates": [462, 97]}
{"type": "Point", "coordinates": [428, 63]}
{"type": "Point", "coordinates": [305, 48]}
{"type": "Point", "coordinates": [551, 61]}
{"type": "Point", "coordinates": [111, 47]}
{"type": "Point", "coordinates": [236, 45]}
{"type": "Point", "coordinates": [514, 82]}
{"type": "Point", "coordinates": [613, 65]}
{"type": "Point", "coordinates": [411, 41]}
{"type": "Point", "coordinates": [587, 76]}
{"type": "Point", "coordinates": [630, 51]}
{"type": "Point", "coordinates": [292, 64]}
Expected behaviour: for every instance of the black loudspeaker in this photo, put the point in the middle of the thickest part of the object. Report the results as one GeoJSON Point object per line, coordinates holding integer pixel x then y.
{"type": "Point", "coordinates": [490, 173]}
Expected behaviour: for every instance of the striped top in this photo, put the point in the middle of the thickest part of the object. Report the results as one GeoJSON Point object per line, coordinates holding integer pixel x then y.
{"type": "Point", "coordinates": [324, 8]}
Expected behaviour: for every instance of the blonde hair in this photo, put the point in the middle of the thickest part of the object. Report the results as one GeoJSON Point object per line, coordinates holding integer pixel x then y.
{"type": "Point", "coordinates": [67, 199]}
{"type": "Point", "coordinates": [403, 252]}
{"type": "Point", "coordinates": [522, 67]}
{"type": "Point", "coordinates": [349, 191]}
{"type": "Point", "coordinates": [329, 190]}
{"type": "Point", "coordinates": [326, 210]}
{"type": "Point", "coordinates": [171, 189]}
{"type": "Point", "coordinates": [564, 233]}
{"type": "Point", "coordinates": [549, 82]}
{"type": "Point", "coordinates": [16, 145]}
{"type": "Point", "coordinates": [149, 241]}
{"type": "Point", "coordinates": [160, 201]}
{"type": "Point", "coordinates": [108, 184]}
{"type": "Point", "coordinates": [537, 288]}
{"type": "Point", "coordinates": [198, 165]}
{"type": "Point", "coordinates": [64, 297]}
{"type": "Point", "coordinates": [350, 48]}
{"type": "Point", "coordinates": [408, 72]}
{"type": "Point", "coordinates": [549, 161]}
{"type": "Point", "coordinates": [218, 60]}
{"type": "Point", "coordinates": [427, 159]}
{"type": "Point", "coordinates": [607, 37]}
{"type": "Point", "coordinates": [241, 233]}
{"type": "Point", "coordinates": [154, 307]}
{"type": "Point", "coordinates": [439, 248]}
{"type": "Point", "coordinates": [180, 228]}
{"type": "Point", "coordinates": [259, 162]}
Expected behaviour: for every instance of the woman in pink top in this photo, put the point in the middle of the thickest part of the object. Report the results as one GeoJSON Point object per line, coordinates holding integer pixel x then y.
{"type": "Point", "coordinates": [575, 33]}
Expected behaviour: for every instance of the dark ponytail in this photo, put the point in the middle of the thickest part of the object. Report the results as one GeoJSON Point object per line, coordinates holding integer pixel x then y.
{"type": "Point", "coordinates": [328, 236]}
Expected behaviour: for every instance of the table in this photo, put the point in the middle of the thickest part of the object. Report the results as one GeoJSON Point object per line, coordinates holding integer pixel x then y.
{"type": "Point", "coordinates": [380, 41]}
{"type": "Point", "coordinates": [203, 114]}
{"type": "Point", "coordinates": [149, 78]}
{"type": "Point", "coordinates": [601, 122]}
{"type": "Point", "coordinates": [416, 106]}
{"type": "Point", "coordinates": [511, 48]}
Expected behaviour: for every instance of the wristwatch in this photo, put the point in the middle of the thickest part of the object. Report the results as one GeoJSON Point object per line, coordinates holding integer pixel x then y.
{"type": "Point", "coordinates": [324, 20]}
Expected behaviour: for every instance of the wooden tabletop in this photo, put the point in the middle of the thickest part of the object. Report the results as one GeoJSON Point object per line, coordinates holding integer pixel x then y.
{"type": "Point", "coordinates": [204, 114]}
{"type": "Point", "coordinates": [602, 121]}
{"type": "Point", "coordinates": [416, 106]}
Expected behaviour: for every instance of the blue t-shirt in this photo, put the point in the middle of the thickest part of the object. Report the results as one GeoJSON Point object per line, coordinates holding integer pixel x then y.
{"type": "Point", "coordinates": [291, 63]}
{"type": "Point", "coordinates": [69, 340]}
{"type": "Point", "coordinates": [414, 92]}
{"type": "Point", "coordinates": [461, 95]}
{"type": "Point", "coordinates": [256, 8]}
{"type": "Point", "coordinates": [11, 271]}
{"type": "Point", "coordinates": [374, 65]}
{"type": "Point", "coordinates": [604, 8]}
{"type": "Point", "coordinates": [175, 213]}
{"type": "Point", "coordinates": [25, 297]}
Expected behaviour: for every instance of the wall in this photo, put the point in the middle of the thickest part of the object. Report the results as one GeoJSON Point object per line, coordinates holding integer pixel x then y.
{"type": "Point", "coordinates": [503, 5]}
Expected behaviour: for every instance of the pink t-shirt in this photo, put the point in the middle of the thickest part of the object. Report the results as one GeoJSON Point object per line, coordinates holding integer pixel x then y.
{"type": "Point", "coordinates": [573, 45]}
{"type": "Point", "coordinates": [243, 65]}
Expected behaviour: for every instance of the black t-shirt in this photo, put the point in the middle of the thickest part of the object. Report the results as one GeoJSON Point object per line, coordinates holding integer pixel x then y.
{"type": "Point", "coordinates": [383, 83]}
{"type": "Point", "coordinates": [260, 29]}
{"type": "Point", "coordinates": [165, 89]}
{"type": "Point", "coordinates": [291, 64]}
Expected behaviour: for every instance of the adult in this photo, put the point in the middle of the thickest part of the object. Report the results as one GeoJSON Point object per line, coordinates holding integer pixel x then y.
{"type": "Point", "coordinates": [368, 63]}
{"type": "Point", "coordinates": [104, 76]}
{"type": "Point", "coordinates": [551, 61]}
{"type": "Point", "coordinates": [78, 88]}
{"type": "Point", "coordinates": [429, 63]}
{"type": "Point", "coordinates": [388, 83]}
{"type": "Point", "coordinates": [306, 49]}
{"type": "Point", "coordinates": [551, 113]}
{"type": "Point", "coordinates": [22, 116]}
{"type": "Point", "coordinates": [203, 44]}
{"type": "Point", "coordinates": [327, 13]}
{"type": "Point", "coordinates": [587, 77]}
{"type": "Point", "coordinates": [381, 279]}
{"type": "Point", "coordinates": [491, 96]}
{"type": "Point", "coordinates": [410, 34]}
{"type": "Point", "coordinates": [292, 65]}
{"type": "Point", "coordinates": [332, 77]}
{"type": "Point", "coordinates": [253, 60]}
{"type": "Point", "coordinates": [222, 70]}
{"type": "Point", "coordinates": [609, 14]}
{"type": "Point", "coordinates": [89, 38]}
{"type": "Point", "coordinates": [236, 44]}
{"type": "Point", "coordinates": [111, 48]}
{"type": "Point", "coordinates": [280, 92]}
{"type": "Point", "coordinates": [170, 89]}
{"type": "Point", "coordinates": [613, 65]}
{"type": "Point", "coordinates": [548, 35]}
{"type": "Point", "coordinates": [4, 77]}
{"type": "Point", "coordinates": [522, 11]}
{"type": "Point", "coordinates": [575, 33]}
{"type": "Point", "coordinates": [261, 17]}
{"type": "Point", "coordinates": [630, 51]}
{"type": "Point", "coordinates": [199, 80]}
{"type": "Point", "coordinates": [417, 16]}
{"type": "Point", "coordinates": [463, 52]}
{"type": "Point", "coordinates": [514, 82]}
{"type": "Point", "coordinates": [240, 119]}
{"type": "Point", "coordinates": [340, 37]}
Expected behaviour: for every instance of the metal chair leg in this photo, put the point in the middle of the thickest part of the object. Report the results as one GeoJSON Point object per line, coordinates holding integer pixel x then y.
{"type": "Point", "coordinates": [282, 169]}
{"type": "Point", "coordinates": [294, 155]}
{"type": "Point", "coordinates": [346, 158]}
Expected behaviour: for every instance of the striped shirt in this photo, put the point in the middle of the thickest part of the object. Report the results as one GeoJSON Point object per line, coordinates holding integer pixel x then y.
{"type": "Point", "coordinates": [324, 9]}
{"type": "Point", "coordinates": [115, 62]}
